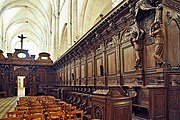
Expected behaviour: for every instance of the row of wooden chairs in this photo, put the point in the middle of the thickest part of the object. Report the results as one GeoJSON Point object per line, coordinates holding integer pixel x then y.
{"type": "Point", "coordinates": [44, 107]}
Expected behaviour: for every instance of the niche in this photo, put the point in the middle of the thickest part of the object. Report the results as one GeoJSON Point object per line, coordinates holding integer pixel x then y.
{"type": "Point", "coordinates": [72, 76]}
{"type": "Point", "coordinates": [101, 70]}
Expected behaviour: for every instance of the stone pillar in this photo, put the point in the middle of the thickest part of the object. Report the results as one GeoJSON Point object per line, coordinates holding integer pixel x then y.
{"type": "Point", "coordinates": [75, 22]}
{"type": "Point", "coordinates": [70, 25]}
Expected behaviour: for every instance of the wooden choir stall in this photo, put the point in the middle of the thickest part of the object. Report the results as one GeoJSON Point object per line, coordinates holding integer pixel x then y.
{"type": "Point", "coordinates": [134, 48]}
{"type": "Point", "coordinates": [126, 66]}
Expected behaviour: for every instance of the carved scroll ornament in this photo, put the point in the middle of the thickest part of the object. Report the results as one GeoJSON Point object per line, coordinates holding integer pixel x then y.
{"type": "Point", "coordinates": [175, 80]}
{"type": "Point", "coordinates": [98, 113]}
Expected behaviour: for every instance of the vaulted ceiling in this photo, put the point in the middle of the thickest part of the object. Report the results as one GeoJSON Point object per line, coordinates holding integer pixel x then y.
{"type": "Point", "coordinates": [29, 17]}
{"type": "Point", "coordinates": [49, 25]}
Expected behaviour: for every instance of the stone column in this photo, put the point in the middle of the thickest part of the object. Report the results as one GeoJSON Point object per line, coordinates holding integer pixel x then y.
{"type": "Point", "coordinates": [75, 22]}
{"type": "Point", "coordinates": [70, 25]}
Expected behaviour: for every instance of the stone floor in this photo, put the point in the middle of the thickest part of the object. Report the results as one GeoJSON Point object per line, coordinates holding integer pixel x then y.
{"type": "Point", "coordinates": [7, 104]}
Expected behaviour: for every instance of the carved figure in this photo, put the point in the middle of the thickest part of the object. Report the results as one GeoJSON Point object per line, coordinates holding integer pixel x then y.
{"type": "Point", "coordinates": [157, 32]}
{"type": "Point", "coordinates": [141, 5]}
{"type": "Point", "coordinates": [135, 42]}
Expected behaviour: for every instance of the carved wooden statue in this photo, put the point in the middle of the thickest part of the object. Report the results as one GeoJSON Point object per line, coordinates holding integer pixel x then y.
{"type": "Point", "coordinates": [135, 42]}
{"type": "Point", "coordinates": [157, 32]}
{"type": "Point", "coordinates": [141, 5]}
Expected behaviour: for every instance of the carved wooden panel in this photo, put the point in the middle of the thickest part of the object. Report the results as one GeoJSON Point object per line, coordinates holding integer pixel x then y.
{"type": "Point", "coordinates": [128, 58]}
{"type": "Point", "coordinates": [112, 80]}
{"type": "Point", "coordinates": [77, 72]}
{"type": "Point", "coordinates": [122, 111]}
{"type": "Point", "coordinates": [69, 76]}
{"type": "Point", "coordinates": [82, 71]}
{"type": "Point", "coordinates": [77, 75]}
{"type": "Point", "coordinates": [42, 77]}
{"type": "Point", "coordinates": [98, 66]}
{"type": "Point", "coordinates": [72, 76]}
{"type": "Point", "coordinates": [132, 81]}
{"type": "Point", "coordinates": [21, 71]}
{"type": "Point", "coordinates": [90, 82]}
{"type": "Point", "coordinates": [144, 97]}
{"type": "Point", "coordinates": [63, 76]}
{"type": "Point", "coordinates": [90, 69]}
{"type": "Point", "coordinates": [149, 56]}
{"type": "Point", "coordinates": [174, 106]}
{"type": "Point", "coordinates": [111, 63]}
{"type": "Point", "coordinates": [174, 43]}
{"type": "Point", "coordinates": [174, 80]}
{"type": "Point", "coordinates": [158, 104]}
{"type": "Point", "coordinates": [60, 77]}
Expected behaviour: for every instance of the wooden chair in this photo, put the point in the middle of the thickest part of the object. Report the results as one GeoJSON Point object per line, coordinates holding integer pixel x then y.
{"type": "Point", "coordinates": [37, 107]}
{"type": "Point", "coordinates": [16, 114]}
{"type": "Point", "coordinates": [41, 99]}
{"type": "Point", "coordinates": [64, 106]}
{"type": "Point", "coordinates": [35, 116]}
{"type": "Point", "coordinates": [56, 115]}
{"type": "Point", "coordinates": [36, 104]}
{"type": "Point", "coordinates": [22, 103]}
{"type": "Point", "coordinates": [35, 111]}
{"type": "Point", "coordinates": [56, 109]}
{"type": "Point", "coordinates": [23, 98]}
{"type": "Point", "coordinates": [79, 114]}
{"type": "Point", "coordinates": [50, 110]}
{"type": "Point", "coordinates": [61, 103]}
{"type": "Point", "coordinates": [12, 118]}
{"type": "Point", "coordinates": [50, 97]}
{"type": "Point", "coordinates": [70, 108]}
{"type": "Point", "coordinates": [32, 98]}
{"type": "Point", "coordinates": [22, 108]}
{"type": "Point", "coordinates": [75, 115]}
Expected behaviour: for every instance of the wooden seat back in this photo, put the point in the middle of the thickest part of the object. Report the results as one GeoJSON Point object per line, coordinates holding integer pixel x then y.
{"type": "Point", "coordinates": [15, 114]}
{"type": "Point", "coordinates": [35, 116]}
{"type": "Point", "coordinates": [56, 115]}
{"type": "Point", "coordinates": [56, 109]}
{"type": "Point", "coordinates": [35, 111]}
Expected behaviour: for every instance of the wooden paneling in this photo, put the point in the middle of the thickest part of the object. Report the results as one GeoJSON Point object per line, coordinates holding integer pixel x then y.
{"type": "Point", "coordinates": [150, 62]}
{"type": "Point", "coordinates": [72, 76]}
{"type": "Point", "coordinates": [128, 58]}
{"type": "Point", "coordinates": [122, 111]}
{"type": "Point", "coordinates": [82, 71]}
{"type": "Point", "coordinates": [77, 72]}
{"type": "Point", "coordinates": [174, 43]}
{"type": "Point", "coordinates": [114, 108]}
{"type": "Point", "coordinates": [158, 104]}
{"type": "Point", "coordinates": [69, 75]}
{"type": "Point", "coordinates": [111, 58]}
{"type": "Point", "coordinates": [90, 69]}
{"type": "Point", "coordinates": [174, 106]}
{"type": "Point", "coordinates": [98, 66]}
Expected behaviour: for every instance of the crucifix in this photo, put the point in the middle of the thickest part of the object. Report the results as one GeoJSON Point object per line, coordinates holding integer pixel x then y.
{"type": "Point", "coordinates": [22, 37]}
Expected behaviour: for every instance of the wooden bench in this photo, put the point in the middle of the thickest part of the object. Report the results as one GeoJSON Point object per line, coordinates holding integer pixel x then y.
{"type": "Point", "coordinates": [141, 106]}
{"type": "Point", "coordinates": [3, 94]}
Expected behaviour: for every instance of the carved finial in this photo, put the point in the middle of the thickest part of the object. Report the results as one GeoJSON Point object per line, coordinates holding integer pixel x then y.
{"type": "Point", "coordinates": [97, 35]}
{"type": "Point", "coordinates": [111, 24]}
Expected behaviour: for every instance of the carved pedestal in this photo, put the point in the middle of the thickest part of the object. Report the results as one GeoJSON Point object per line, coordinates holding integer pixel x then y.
{"type": "Point", "coordinates": [111, 104]}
